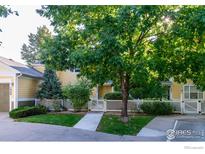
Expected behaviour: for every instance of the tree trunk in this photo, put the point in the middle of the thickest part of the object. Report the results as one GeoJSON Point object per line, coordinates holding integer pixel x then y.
{"type": "Point", "coordinates": [125, 95]}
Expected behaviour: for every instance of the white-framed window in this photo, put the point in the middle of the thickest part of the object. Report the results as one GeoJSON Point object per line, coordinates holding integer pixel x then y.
{"type": "Point", "coordinates": [191, 92]}
{"type": "Point", "coordinates": [77, 70]}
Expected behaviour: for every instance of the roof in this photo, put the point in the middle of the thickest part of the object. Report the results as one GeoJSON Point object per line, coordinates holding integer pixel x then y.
{"type": "Point", "coordinates": [25, 70]}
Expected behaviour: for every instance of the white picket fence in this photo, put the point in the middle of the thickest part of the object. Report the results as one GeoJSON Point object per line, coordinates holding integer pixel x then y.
{"type": "Point", "coordinates": [183, 107]}
{"type": "Point", "coordinates": [186, 106]}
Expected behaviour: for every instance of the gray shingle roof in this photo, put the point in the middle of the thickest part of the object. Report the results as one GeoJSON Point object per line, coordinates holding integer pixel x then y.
{"type": "Point", "coordinates": [25, 70]}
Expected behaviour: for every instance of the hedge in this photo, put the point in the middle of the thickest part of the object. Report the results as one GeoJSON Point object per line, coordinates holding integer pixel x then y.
{"type": "Point", "coordinates": [27, 111]}
{"type": "Point", "coordinates": [157, 108]}
{"type": "Point", "coordinates": [115, 96]}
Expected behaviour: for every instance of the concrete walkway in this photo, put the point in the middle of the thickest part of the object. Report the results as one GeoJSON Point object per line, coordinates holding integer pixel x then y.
{"type": "Point", "coordinates": [157, 128]}
{"type": "Point", "coordinates": [21, 131]}
{"type": "Point", "coordinates": [90, 121]}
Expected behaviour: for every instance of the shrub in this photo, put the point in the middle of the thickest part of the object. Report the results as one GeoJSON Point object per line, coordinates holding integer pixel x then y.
{"type": "Point", "coordinates": [50, 88]}
{"type": "Point", "coordinates": [157, 108]}
{"type": "Point", "coordinates": [79, 95]}
{"type": "Point", "coordinates": [57, 107]}
{"type": "Point", "coordinates": [114, 96]}
{"type": "Point", "coordinates": [27, 111]}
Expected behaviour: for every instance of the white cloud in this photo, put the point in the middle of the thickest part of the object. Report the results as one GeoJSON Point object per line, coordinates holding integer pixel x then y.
{"type": "Point", "coordinates": [16, 29]}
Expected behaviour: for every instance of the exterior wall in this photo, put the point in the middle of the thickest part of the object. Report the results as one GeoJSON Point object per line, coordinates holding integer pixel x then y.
{"type": "Point", "coordinates": [27, 87]}
{"type": "Point", "coordinates": [39, 67]}
{"type": "Point", "coordinates": [3, 69]}
{"type": "Point", "coordinates": [67, 77]}
{"type": "Point", "coordinates": [176, 90]}
{"type": "Point", "coordinates": [104, 89]}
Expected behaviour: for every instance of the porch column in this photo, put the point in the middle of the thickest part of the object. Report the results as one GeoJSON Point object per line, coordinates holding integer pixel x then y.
{"type": "Point", "coordinates": [10, 96]}
{"type": "Point", "coordinates": [15, 92]}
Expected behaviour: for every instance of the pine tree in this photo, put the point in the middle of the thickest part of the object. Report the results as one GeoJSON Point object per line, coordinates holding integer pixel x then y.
{"type": "Point", "coordinates": [50, 88]}
{"type": "Point", "coordinates": [31, 52]}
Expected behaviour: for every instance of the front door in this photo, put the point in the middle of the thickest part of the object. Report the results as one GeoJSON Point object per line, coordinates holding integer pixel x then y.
{"type": "Point", "coordinates": [4, 97]}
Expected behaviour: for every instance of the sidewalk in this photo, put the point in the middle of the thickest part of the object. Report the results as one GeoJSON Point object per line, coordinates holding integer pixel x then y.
{"type": "Point", "coordinates": [157, 128]}
{"type": "Point", "coordinates": [90, 121]}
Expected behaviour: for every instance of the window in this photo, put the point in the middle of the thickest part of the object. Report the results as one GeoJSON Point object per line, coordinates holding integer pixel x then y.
{"type": "Point", "coordinates": [191, 92]}
{"type": "Point", "coordinates": [75, 70]}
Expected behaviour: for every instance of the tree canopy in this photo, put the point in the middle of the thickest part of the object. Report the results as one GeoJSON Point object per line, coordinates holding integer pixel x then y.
{"type": "Point", "coordinates": [182, 50]}
{"type": "Point", "coordinates": [127, 44]}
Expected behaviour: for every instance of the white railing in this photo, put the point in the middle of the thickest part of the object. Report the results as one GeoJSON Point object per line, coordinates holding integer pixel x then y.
{"type": "Point", "coordinates": [186, 106]}
{"type": "Point", "coordinates": [134, 105]}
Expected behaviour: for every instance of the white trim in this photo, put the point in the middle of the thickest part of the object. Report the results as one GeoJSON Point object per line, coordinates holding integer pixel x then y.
{"type": "Point", "coordinates": [26, 99]}
{"type": "Point", "coordinates": [9, 68]}
{"type": "Point", "coordinates": [7, 74]}
{"type": "Point", "coordinates": [5, 80]}
{"type": "Point", "coordinates": [189, 85]}
{"type": "Point", "coordinates": [112, 88]}
{"type": "Point", "coordinates": [15, 93]}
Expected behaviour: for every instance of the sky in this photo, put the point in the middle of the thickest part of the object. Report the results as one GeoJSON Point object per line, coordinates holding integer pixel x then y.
{"type": "Point", "coordinates": [15, 30]}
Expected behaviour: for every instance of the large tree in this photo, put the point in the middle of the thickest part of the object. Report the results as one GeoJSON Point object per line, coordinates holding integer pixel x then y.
{"type": "Point", "coordinates": [118, 43]}
{"type": "Point", "coordinates": [31, 52]}
{"type": "Point", "coordinates": [182, 51]}
{"type": "Point", "coordinates": [106, 42]}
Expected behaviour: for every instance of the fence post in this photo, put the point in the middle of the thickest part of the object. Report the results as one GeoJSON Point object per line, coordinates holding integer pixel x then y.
{"type": "Point", "coordinates": [182, 107]}
{"type": "Point", "coordinates": [36, 101]}
{"type": "Point", "coordinates": [105, 105]}
{"type": "Point", "coordinates": [199, 106]}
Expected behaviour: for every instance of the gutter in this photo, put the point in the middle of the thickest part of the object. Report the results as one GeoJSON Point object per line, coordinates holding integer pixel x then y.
{"type": "Point", "coordinates": [20, 74]}
{"type": "Point", "coordinates": [16, 90]}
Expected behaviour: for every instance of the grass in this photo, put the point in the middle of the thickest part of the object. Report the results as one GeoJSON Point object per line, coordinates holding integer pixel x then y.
{"type": "Point", "coordinates": [112, 124]}
{"type": "Point", "coordinates": [54, 119]}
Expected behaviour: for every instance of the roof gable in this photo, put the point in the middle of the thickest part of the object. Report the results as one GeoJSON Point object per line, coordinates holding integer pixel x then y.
{"type": "Point", "coordinates": [25, 70]}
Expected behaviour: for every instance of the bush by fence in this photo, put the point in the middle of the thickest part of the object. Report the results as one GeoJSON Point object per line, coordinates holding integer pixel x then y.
{"type": "Point", "coordinates": [157, 108]}
{"type": "Point", "coordinates": [79, 95]}
{"type": "Point", "coordinates": [27, 111]}
{"type": "Point", "coordinates": [115, 96]}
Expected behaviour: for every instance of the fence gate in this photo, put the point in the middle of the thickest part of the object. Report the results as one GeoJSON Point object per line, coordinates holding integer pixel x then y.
{"type": "Point", "coordinates": [191, 107]}
{"type": "Point", "coordinates": [97, 105]}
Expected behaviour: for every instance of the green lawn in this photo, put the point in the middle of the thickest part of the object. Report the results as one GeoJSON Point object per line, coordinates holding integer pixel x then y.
{"type": "Point", "coordinates": [54, 119]}
{"type": "Point", "coordinates": [113, 125]}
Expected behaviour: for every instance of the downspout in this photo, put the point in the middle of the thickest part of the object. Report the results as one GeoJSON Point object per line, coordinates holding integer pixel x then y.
{"type": "Point", "coordinates": [16, 90]}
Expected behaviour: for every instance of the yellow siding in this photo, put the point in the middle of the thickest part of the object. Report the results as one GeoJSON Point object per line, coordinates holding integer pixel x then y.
{"type": "Point", "coordinates": [39, 68]}
{"type": "Point", "coordinates": [176, 91]}
{"type": "Point", "coordinates": [67, 77]}
{"type": "Point", "coordinates": [27, 87]}
{"type": "Point", "coordinates": [190, 82]}
{"type": "Point", "coordinates": [104, 89]}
